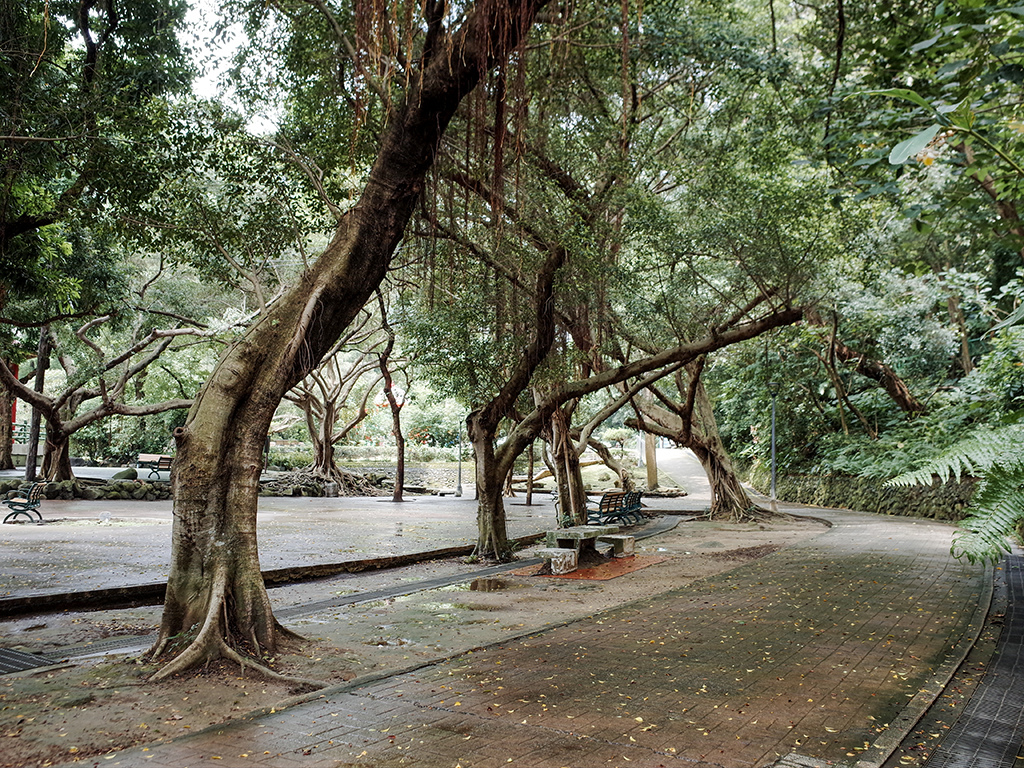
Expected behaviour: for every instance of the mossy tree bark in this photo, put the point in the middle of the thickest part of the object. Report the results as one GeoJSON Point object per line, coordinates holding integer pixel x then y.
{"type": "Point", "coordinates": [492, 534]}
{"type": "Point", "coordinates": [6, 424]}
{"type": "Point", "coordinates": [57, 453]}
{"type": "Point", "coordinates": [572, 495]}
{"type": "Point", "coordinates": [690, 423]}
{"type": "Point", "coordinates": [215, 593]}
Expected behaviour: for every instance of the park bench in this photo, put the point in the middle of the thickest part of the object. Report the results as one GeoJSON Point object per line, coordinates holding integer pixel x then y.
{"type": "Point", "coordinates": [567, 548]}
{"type": "Point", "coordinates": [155, 463]}
{"type": "Point", "coordinates": [617, 508]}
{"type": "Point", "coordinates": [26, 505]}
{"type": "Point", "coordinates": [623, 545]}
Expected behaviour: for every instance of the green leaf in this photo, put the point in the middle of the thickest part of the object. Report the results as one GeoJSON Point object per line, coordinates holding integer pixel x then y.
{"type": "Point", "coordinates": [1015, 317]}
{"type": "Point", "coordinates": [995, 510]}
{"type": "Point", "coordinates": [899, 93]}
{"type": "Point", "coordinates": [952, 66]}
{"type": "Point", "coordinates": [972, 455]}
{"type": "Point", "coordinates": [963, 116]}
{"type": "Point", "coordinates": [912, 146]}
{"type": "Point", "coordinates": [925, 44]}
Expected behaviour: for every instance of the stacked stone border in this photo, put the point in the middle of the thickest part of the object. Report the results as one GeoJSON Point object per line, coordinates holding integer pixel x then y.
{"type": "Point", "coordinates": [938, 501]}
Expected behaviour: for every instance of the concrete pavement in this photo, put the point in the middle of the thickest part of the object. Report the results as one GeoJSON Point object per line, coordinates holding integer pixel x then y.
{"type": "Point", "coordinates": [823, 653]}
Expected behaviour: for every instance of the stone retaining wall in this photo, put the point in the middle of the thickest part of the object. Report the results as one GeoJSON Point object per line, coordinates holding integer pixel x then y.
{"type": "Point", "coordinates": [939, 501]}
{"type": "Point", "coordinates": [127, 490]}
{"type": "Point", "coordinates": [427, 477]}
{"type": "Point", "coordinates": [141, 490]}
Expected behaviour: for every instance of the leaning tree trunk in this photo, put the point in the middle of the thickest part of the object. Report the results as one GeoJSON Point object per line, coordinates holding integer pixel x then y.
{"type": "Point", "coordinates": [492, 535]}
{"type": "Point", "coordinates": [215, 597]}
{"type": "Point", "coordinates": [728, 496]}
{"type": "Point", "coordinates": [57, 454]}
{"type": "Point", "coordinates": [692, 425]}
{"type": "Point", "coordinates": [616, 466]}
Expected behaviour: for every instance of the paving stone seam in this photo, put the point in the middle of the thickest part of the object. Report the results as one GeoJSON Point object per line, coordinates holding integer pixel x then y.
{"type": "Point", "coordinates": [375, 677]}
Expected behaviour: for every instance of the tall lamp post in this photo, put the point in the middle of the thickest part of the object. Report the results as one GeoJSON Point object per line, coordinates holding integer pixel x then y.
{"type": "Point", "coordinates": [458, 487]}
{"type": "Point", "coordinates": [773, 389]}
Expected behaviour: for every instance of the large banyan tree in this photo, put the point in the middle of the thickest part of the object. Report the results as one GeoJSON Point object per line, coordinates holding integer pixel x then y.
{"type": "Point", "coordinates": [419, 60]}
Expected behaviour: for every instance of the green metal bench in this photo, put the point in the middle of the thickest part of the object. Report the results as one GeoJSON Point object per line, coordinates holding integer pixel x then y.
{"type": "Point", "coordinates": [617, 508]}
{"type": "Point", "coordinates": [155, 463]}
{"type": "Point", "coordinates": [28, 505]}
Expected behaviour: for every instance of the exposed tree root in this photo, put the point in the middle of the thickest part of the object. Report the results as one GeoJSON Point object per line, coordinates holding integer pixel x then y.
{"type": "Point", "coordinates": [490, 555]}
{"type": "Point", "coordinates": [210, 643]}
{"type": "Point", "coordinates": [349, 483]}
{"type": "Point", "coordinates": [751, 514]}
{"type": "Point", "coordinates": [304, 682]}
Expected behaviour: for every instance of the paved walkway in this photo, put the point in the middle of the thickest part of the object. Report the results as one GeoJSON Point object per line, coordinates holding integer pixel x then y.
{"type": "Point", "coordinates": [103, 544]}
{"type": "Point", "coordinates": [821, 654]}
{"type": "Point", "coordinates": [90, 545]}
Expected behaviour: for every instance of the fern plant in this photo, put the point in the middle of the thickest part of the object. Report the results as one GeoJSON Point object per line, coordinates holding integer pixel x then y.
{"type": "Point", "coordinates": [996, 513]}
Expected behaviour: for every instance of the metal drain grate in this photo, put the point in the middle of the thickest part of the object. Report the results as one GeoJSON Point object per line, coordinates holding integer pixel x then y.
{"type": "Point", "coordinates": [118, 644]}
{"type": "Point", "coordinates": [19, 661]}
{"type": "Point", "coordinates": [989, 732]}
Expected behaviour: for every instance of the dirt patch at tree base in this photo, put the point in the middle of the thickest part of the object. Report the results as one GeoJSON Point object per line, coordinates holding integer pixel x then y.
{"type": "Point", "coordinates": [94, 706]}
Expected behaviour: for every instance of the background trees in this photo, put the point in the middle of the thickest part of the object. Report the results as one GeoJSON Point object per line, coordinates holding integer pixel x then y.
{"type": "Point", "coordinates": [920, 138]}
{"type": "Point", "coordinates": [79, 80]}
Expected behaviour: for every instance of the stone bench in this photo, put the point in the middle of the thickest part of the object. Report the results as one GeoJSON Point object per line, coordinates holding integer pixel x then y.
{"type": "Point", "coordinates": [622, 545]}
{"type": "Point", "coordinates": [579, 536]}
{"type": "Point", "coordinates": [562, 560]}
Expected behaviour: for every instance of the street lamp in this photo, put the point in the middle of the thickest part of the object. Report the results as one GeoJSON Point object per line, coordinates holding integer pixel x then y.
{"type": "Point", "coordinates": [458, 487]}
{"type": "Point", "coordinates": [773, 389]}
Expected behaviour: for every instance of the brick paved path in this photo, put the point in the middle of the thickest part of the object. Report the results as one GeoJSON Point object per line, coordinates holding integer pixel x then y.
{"type": "Point", "coordinates": [812, 651]}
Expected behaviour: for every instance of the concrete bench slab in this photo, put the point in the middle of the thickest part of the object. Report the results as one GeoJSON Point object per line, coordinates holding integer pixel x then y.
{"type": "Point", "coordinates": [579, 533]}
{"type": "Point", "coordinates": [623, 545]}
{"type": "Point", "coordinates": [562, 560]}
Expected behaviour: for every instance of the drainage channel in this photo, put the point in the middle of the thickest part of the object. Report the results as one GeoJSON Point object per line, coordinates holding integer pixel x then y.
{"type": "Point", "coordinates": [130, 643]}
{"type": "Point", "coordinates": [18, 661]}
{"type": "Point", "coordinates": [990, 731]}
